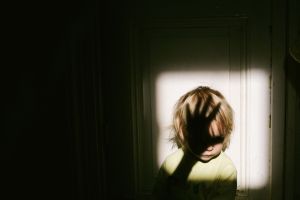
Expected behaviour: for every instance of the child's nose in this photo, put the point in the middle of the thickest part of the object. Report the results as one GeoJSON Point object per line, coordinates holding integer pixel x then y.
{"type": "Point", "coordinates": [210, 148]}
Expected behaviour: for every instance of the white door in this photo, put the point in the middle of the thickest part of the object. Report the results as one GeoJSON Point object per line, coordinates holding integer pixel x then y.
{"type": "Point", "coordinates": [230, 54]}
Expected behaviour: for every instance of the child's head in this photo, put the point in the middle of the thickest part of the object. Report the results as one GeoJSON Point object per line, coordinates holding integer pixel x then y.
{"type": "Point", "coordinates": [202, 118]}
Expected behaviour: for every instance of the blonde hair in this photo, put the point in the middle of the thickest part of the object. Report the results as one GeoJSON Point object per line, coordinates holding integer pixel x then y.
{"type": "Point", "coordinates": [222, 121]}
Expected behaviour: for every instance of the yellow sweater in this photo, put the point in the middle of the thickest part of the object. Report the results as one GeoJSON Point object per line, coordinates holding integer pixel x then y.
{"type": "Point", "coordinates": [183, 177]}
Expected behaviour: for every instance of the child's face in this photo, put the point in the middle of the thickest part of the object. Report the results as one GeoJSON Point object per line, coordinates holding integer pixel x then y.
{"type": "Point", "coordinates": [208, 150]}
{"type": "Point", "coordinates": [211, 152]}
{"type": "Point", "coordinates": [207, 146]}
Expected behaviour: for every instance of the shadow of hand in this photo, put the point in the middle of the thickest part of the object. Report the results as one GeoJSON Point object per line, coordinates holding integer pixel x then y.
{"type": "Point", "coordinates": [198, 125]}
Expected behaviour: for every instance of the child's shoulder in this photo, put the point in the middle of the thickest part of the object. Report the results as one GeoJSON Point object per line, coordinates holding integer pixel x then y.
{"type": "Point", "coordinates": [173, 160]}
{"type": "Point", "coordinates": [174, 157]}
{"type": "Point", "coordinates": [226, 165]}
{"type": "Point", "coordinates": [226, 160]}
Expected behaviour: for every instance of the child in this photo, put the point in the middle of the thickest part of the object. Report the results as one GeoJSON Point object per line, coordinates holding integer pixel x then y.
{"type": "Point", "coordinates": [199, 169]}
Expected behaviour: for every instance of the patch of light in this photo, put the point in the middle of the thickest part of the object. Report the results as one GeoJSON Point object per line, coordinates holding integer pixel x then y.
{"type": "Point", "coordinates": [250, 142]}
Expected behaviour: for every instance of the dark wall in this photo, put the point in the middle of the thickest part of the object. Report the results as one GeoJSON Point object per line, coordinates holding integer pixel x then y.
{"type": "Point", "coordinates": [292, 154]}
{"type": "Point", "coordinates": [117, 100]}
{"type": "Point", "coordinates": [48, 66]}
{"type": "Point", "coordinates": [66, 101]}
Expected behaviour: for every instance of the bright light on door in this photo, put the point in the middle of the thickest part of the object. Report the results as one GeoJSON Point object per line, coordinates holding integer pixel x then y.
{"type": "Point", "coordinates": [248, 94]}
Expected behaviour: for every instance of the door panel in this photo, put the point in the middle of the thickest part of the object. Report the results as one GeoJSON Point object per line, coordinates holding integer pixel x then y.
{"type": "Point", "coordinates": [176, 46]}
{"type": "Point", "coordinates": [171, 57]}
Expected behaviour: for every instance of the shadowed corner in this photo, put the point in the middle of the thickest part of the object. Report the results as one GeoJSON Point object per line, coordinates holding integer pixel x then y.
{"type": "Point", "coordinates": [292, 64]}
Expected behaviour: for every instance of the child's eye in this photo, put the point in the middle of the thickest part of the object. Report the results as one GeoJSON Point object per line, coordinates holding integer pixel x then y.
{"type": "Point", "coordinates": [216, 140]}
